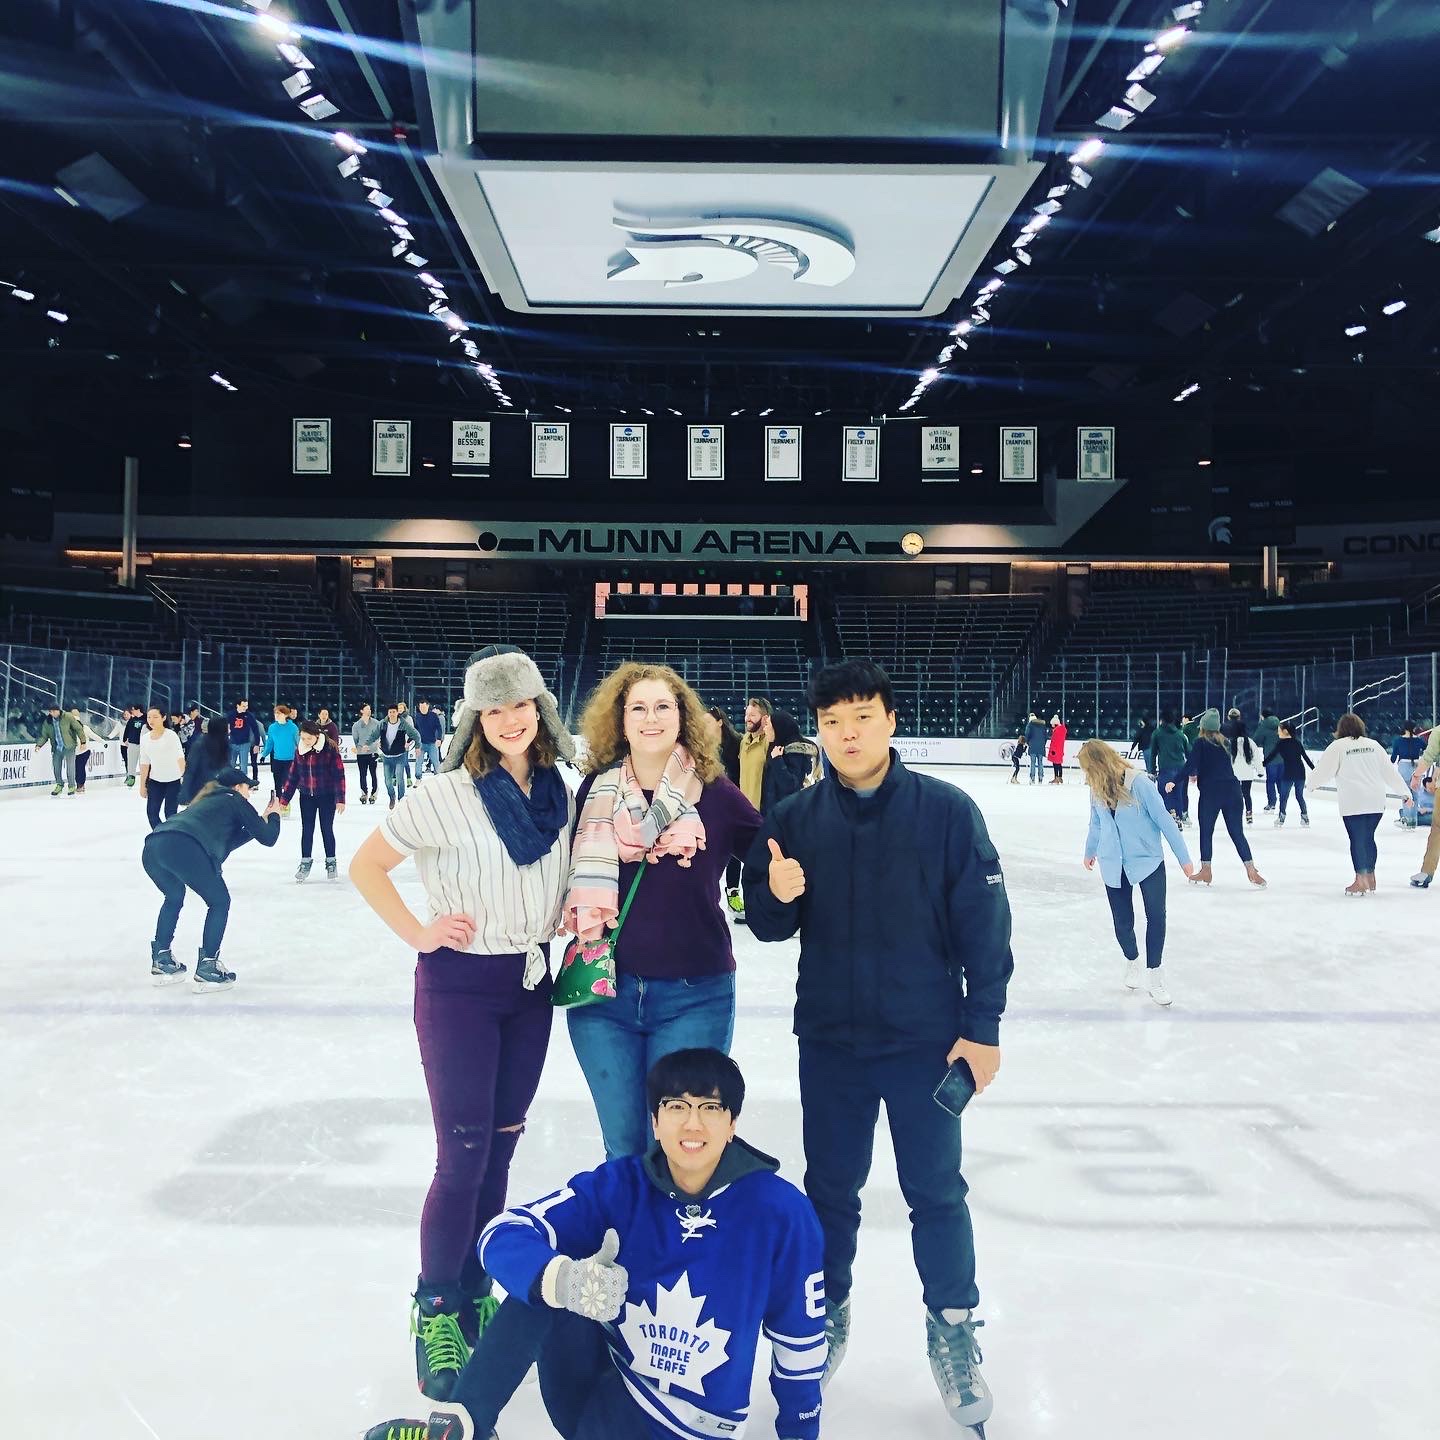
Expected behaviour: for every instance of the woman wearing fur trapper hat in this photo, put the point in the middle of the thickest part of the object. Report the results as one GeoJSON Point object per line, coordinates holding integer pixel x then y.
{"type": "Point", "coordinates": [491, 840]}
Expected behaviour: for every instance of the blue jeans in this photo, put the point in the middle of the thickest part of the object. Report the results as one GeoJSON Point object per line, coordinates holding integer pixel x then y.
{"type": "Point", "coordinates": [1177, 801]}
{"type": "Point", "coordinates": [1298, 789]}
{"type": "Point", "coordinates": [617, 1041]}
{"type": "Point", "coordinates": [397, 767]}
{"type": "Point", "coordinates": [240, 757]}
{"type": "Point", "coordinates": [1037, 765]}
{"type": "Point", "coordinates": [1361, 830]}
{"type": "Point", "coordinates": [1274, 774]}
{"type": "Point", "coordinates": [430, 759]}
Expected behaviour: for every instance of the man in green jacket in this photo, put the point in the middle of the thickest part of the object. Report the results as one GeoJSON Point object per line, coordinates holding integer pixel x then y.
{"type": "Point", "coordinates": [64, 733]}
{"type": "Point", "coordinates": [1169, 753]}
{"type": "Point", "coordinates": [1267, 732]}
{"type": "Point", "coordinates": [1426, 873]}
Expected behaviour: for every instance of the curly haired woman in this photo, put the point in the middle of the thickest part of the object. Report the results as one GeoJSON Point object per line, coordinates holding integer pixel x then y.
{"type": "Point", "coordinates": [655, 792]}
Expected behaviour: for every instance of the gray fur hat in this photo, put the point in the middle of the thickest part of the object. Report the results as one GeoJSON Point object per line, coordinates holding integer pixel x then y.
{"type": "Point", "coordinates": [503, 675]}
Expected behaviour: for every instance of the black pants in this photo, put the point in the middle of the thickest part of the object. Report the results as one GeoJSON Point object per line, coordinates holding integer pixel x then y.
{"type": "Point", "coordinates": [177, 863]}
{"type": "Point", "coordinates": [1298, 786]}
{"type": "Point", "coordinates": [582, 1390]}
{"type": "Point", "coordinates": [1015, 766]}
{"type": "Point", "coordinates": [1057, 769]}
{"type": "Point", "coordinates": [1245, 795]}
{"type": "Point", "coordinates": [1211, 809]}
{"type": "Point", "coordinates": [312, 806]}
{"type": "Point", "coordinates": [158, 794]}
{"type": "Point", "coordinates": [1122, 912]}
{"type": "Point", "coordinates": [840, 1097]}
{"type": "Point", "coordinates": [1363, 851]}
{"type": "Point", "coordinates": [279, 772]}
{"type": "Point", "coordinates": [732, 874]}
{"type": "Point", "coordinates": [366, 764]}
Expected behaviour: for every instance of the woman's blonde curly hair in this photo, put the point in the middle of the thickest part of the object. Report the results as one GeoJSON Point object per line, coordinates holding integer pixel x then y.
{"type": "Point", "coordinates": [1105, 773]}
{"type": "Point", "coordinates": [602, 726]}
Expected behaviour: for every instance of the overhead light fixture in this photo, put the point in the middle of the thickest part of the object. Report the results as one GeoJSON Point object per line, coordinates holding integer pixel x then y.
{"type": "Point", "coordinates": [349, 143]}
{"type": "Point", "coordinates": [1117, 117]}
{"type": "Point", "coordinates": [947, 354]}
{"type": "Point", "coordinates": [1081, 177]}
{"type": "Point", "coordinates": [1202, 463]}
{"type": "Point", "coordinates": [349, 165]}
{"type": "Point", "coordinates": [768, 410]}
{"type": "Point", "coordinates": [1088, 151]}
{"type": "Point", "coordinates": [183, 443]}
{"type": "Point", "coordinates": [296, 85]}
{"type": "Point", "coordinates": [1036, 223]}
{"type": "Point", "coordinates": [280, 29]}
{"type": "Point", "coordinates": [222, 382]}
{"type": "Point", "coordinates": [1188, 391]}
{"type": "Point", "coordinates": [990, 286]}
{"type": "Point", "coordinates": [1006, 267]}
{"type": "Point", "coordinates": [66, 196]}
{"type": "Point", "coordinates": [1056, 191]}
{"type": "Point", "coordinates": [317, 107]}
{"type": "Point", "coordinates": [977, 469]}
{"type": "Point", "coordinates": [1168, 39]}
{"type": "Point", "coordinates": [1353, 330]}
{"type": "Point", "coordinates": [674, 411]}
{"type": "Point", "coordinates": [1433, 236]}
{"type": "Point", "coordinates": [1137, 97]}
{"type": "Point", "coordinates": [1147, 67]}
{"type": "Point", "coordinates": [402, 232]}
{"type": "Point", "coordinates": [1049, 207]}
{"type": "Point", "coordinates": [962, 344]}
{"type": "Point", "coordinates": [1189, 10]}
{"type": "Point", "coordinates": [734, 413]}
{"type": "Point", "coordinates": [427, 278]}
{"type": "Point", "coordinates": [1022, 239]}
{"type": "Point", "coordinates": [58, 316]}
{"type": "Point", "coordinates": [428, 464]}
{"type": "Point", "coordinates": [294, 55]}
{"type": "Point", "coordinates": [568, 411]}
{"type": "Point", "coordinates": [16, 293]}
{"type": "Point", "coordinates": [419, 261]}
{"type": "Point", "coordinates": [929, 377]}
{"type": "Point", "coordinates": [1393, 308]}
{"type": "Point", "coordinates": [1024, 257]}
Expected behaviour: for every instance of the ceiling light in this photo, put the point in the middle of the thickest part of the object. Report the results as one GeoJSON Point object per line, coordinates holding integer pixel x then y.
{"type": "Point", "coordinates": [1006, 267]}
{"type": "Point", "coordinates": [435, 307]}
{"type": "Point", "coordinates": [930, 377]}
{"type": "Point", "coordinates": [1117, 117]}
{"type": "Point", "coordinates": [569, 411]}
{"type": "Point", "coordinates": [947, 354]}
{"type": "Point", "coordinates": [961, 345]}
{"type": "Point", "coordinates": [390, 217]}
{"type": "Point", "coordinates": [402, 233]}
{"type": "Point", "coordinates": [66, 196]}
{"type": "Point", "coordinates": [399, 248]}
{"type": "Point", "coordinates": [1024, 257]}
{"type": "Point", "coordinates": [349, 143]}
{"type": "Point", "coordinates": [16, 293]}
{"type": "Point", "coordinates": [1146, 68]}
{"type": "Point", "coordinates": [768, 410]}
{"type": "Point", "coordinates": [1088, 151]}
{"type": "Point", "coordinates": [1056, 191]}
{"type": "Point", "coordinates": [977, 469]}
{"type": "Point", "coordinates": [1188, 391]}
{"type": "Point", "coordinates": [428, 464]}
{"type": "Point", "coordinates": [183, 443]}
{"type": "Point", "coordinates": [1022, 239]}
{"type": "Point", "coordinates": [1433, 236]}
{"type": "Point", "coordinates": [1393, 308]}
{"type": "Point", "coordinates": [58, 316]}
{"type": "Point", "coordinates": [1137, 97]}
{"type": "Point", "coordinates": [419, 261]}
{"type": "Point", "coordinates": [1049, 207]}
{"type": "Point", "coordinates": [296, 85]}
{"type": "Point", "coordinates": [349, 165]}
{"type": "Point", "coordinates": [428, 279]}
{"type": "Point", "coordinates": [1036, 223]}
{"type": "Point", "coordinates": [734, 413]}
{"type": "Point", "coordinates": [317, 107]}
{"type": "Point", "coordinates": [293, 55]}
{"type": "Point", "coordinates": [221, 381]}
{"type": "Point", "coordinates": [1169, 39]}
{"type": "Point", "coordinates": [1202, 462]}
{"type": "Point", "coordinates": [1353, 330]}
{"type": "Point", "coordinates": [1189, 10]}
{"type": "Point", "coordinates": [1081, 177]}
{"type": "Point", "coordinates": [990, 286]}
{"type": "Point", "coordinates": [380, 200]}
{"type": "Point", "coordinates": [644, 411]}
{"type": "Point", "coordinates": [674, 411]}
{"type": "Point", "coordinates": [371, 183]}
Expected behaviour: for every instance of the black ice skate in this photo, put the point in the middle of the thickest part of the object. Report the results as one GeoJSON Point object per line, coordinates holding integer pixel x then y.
{"type": "Point", "coordinates": [210, 974]}
{"type": "Point", "coordinates": [164, 967]}
{"type": "Point", "coordinates": [441, 1351]}
{"type": "Point", "coordinates": [446, 1422]}
{"type": "Point", "coordinates": [955, 1363]}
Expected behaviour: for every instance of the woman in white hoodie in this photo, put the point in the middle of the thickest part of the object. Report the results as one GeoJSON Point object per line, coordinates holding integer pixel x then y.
{"type": "Point", "coordinates": [1363, 774]}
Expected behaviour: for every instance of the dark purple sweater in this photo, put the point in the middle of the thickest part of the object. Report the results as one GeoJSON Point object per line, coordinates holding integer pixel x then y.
{"type": "Point", "coordinates": [676, 929]}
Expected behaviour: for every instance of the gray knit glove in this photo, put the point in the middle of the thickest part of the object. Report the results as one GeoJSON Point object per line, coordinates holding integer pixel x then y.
{"type": "Point", "coordinates": [593, 1288]}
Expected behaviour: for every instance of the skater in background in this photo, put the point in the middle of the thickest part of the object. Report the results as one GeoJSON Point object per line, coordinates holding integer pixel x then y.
{"type": "Point", "coordinates": [63, 735]}
{"type": "Point", "coordinates": [1267, 732]}
{"type": "Point", "coordinates": [431, 730]}
{"type": "Point", "coordinates": [191, 725]}
{"type": "Point", "coordinates": [1037, 734]}
{"type": "Point", "coordinates": [207, 756]}
{"type": "Point", "coordinates": [654, 796]}
{"type": "Point", "coordinates": [1363, 775]}
{"type": "Point", "coordinates": [1129, 829]}
{"type": "Point", "coordinates": [1423, 877]}
{"type": "Point", "coordinates": [282, 740]}
{"type": "Point", "coordinates": [412, 757]}
{"type": "Point", "coordinates": [187, 853]}
{"type": "Point", "coordinates": [162, 766]}
{"type": "Point", "coordinates": [1291, 759]}
{"type": "Point", "coordinates": [1405, 751]}
{"type": "Point", "coordinates": [1219, 796]}
{"type": "Point", "coordinates": [1248, 763]}
{"type": "Point", "coordinates": [318, 774]}
{"type": "Point", "coordinates": [1017, 754]}
{"type": "Point", "coordinates": [490, 836]}
{"type": "Point", "coordinates": [571, 1262]}
{"type": "Point", "coordinates": [774, 762]}
{"type": "Point", "coordinates": [397, 735]}
{"type": "Point", "coordinates": [1169, 755]}
{"type": "Point", "coordinates": [726, 738]}
{"type": "Point", "coordinates": [888, 995]}
{"type": "Point", "coordinates": [327, 724]}
{"type": "Point", "coordinates": [365, 732]}
{"type": "Point", "coordinates": [1140, 746]}
{"type": "Point", "coordinates": [88, 738]}
{"type": "Point", "coordinates": [245, 736]}
{"type": "Point", "coordinates": [130, 735]}
{"type": "Point", "coordinates": [1055, 749]}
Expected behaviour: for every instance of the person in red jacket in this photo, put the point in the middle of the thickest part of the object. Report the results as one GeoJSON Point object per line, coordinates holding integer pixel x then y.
{"type": "Point", "coordinates": [318, 773]}
{"type": "Point", "coordinates": [1055, 750]}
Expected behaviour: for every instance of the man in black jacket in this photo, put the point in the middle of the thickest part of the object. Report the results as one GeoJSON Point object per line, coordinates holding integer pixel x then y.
{"type": "Point", "coordinates": [896, 891]}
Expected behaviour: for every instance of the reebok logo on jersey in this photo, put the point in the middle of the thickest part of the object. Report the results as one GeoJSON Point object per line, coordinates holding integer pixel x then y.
{"type": "Point", "coordinates": [809, 1414]}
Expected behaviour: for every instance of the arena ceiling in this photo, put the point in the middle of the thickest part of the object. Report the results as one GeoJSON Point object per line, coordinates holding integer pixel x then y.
{"type": "Point", "coordinates": [808, 218]}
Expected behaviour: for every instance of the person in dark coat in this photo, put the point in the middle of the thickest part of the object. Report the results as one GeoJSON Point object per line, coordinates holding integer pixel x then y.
{"type": "Point", "coordinates": [186, 853]}
{"type": "Point", "coordinates": [792, 758]}
{"type": "Point", "coordinates": [896, 891]}
{"type": "Point", "coordinates": [207, 755]}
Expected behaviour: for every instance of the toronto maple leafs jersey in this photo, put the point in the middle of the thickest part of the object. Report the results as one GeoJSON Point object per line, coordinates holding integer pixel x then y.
{"type": "Point", "coordinates": [707, 1273]}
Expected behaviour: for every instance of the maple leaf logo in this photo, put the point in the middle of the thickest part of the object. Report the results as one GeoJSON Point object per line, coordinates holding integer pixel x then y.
{"type": "Point", "coordinates": [671, 1345]}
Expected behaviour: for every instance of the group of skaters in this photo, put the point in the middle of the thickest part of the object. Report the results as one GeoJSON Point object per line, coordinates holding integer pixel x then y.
{"type": "Point", "coordinates": [1042, 743]}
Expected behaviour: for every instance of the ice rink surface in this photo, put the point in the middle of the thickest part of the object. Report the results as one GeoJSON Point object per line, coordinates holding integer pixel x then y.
{"type": "Point", "coordinates": [1217, 1220]}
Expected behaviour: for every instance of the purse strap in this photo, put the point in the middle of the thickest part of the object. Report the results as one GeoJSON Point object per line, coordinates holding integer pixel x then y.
{"type": "Point", "coordinates": [625, 908]}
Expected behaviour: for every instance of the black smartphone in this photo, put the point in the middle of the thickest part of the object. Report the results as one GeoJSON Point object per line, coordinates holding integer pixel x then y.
{"type": "Point", "coordinates": [956, 1090]}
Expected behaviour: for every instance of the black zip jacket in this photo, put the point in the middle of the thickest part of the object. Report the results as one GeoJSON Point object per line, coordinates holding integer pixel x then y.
{"type": "Point", "coordinates": [1291, 754]}
{"type": "Point", "coordinates": [220, 823]}
{"type": "Point", "coordinates": [904, 924]}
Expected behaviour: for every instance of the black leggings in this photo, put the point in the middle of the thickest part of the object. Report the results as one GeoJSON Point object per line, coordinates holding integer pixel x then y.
{"type": "Point", "coordinates": [1122, 912]}
{"type": "Point", "coordinates": [366, 766]}
{"type": "Point", "coordinates": [1212, 807]}
{"type": "Point", "coordinates": [279, 773]}
{"type": "Point", "coordinates": [310, 807]}
{"type": "Point", "coordinates": [82, 759]}
{"type": "Point", "coordinates": [1245, 795]}
{"type": "Point", "coordinates": [1057, 769]}
{"type": "Point", "coordinates": [160, 793]}
{"type": "Point", "coordinates": [732, 874]}
{"type": "Point", "coordinates": [177, 863]}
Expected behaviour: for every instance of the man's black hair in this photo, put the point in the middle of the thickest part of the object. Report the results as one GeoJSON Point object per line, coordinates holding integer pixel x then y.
{"type": "Point", "coordinates": [850, 680]}
{"type": "Point", "coordinates": [705, 1074]}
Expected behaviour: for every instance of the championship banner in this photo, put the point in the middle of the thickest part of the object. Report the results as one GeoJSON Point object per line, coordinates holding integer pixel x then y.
{"type": "Point", "coordinates": [550, 452]}
{"type": "Point", "coordinates": [940, 452]}
{"type": "Point", "coordinates": [470, 443]}
{"type": "Point", "coordinates": [862, 453]}
{"type": "Point", "coordinates": [1095, 452]}
{"type": "Point", "coordinates": [1017, 453]}
{"type": "Point", "coordinates": [707, 452]}
{"type": "Point", "coordinates": [310, 450]}
{"type": "Point", "coordinates": [390, 447]}
{"type": "Point", "coordinates": [627, 452]}
{"type": "Point", "coordinates": [782, 452]}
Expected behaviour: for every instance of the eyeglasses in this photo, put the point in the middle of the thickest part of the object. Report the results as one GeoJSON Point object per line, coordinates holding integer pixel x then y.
{"type": "Point", "coordinates": [710, 1111]}
{"type": "Point", "coordinates": [661, 710]}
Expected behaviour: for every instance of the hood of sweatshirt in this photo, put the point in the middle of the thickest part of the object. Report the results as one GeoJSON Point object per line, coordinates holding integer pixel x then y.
{"type": "Point", "coordinates": [739, 1160]}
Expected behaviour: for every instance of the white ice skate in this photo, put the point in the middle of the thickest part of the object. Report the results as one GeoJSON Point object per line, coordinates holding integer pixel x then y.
{"type": "Point", "coordinates": [955, 1363]}
{"type": "Point", "coordinates": [1158, 992]}
{"type": "Point", "coordinates": [837, 1337]}
{"type": "Point", "coordinates": [1134, 974]}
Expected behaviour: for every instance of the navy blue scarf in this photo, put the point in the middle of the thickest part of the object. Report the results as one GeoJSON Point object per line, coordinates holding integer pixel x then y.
{"type": "Point", "coordinates": [526, 824]}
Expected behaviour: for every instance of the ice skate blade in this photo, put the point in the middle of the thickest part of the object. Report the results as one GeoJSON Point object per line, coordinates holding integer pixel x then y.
{"type": "Point", "coordinates": [160, 981]}
{"type": "Point", "coordinates": [207, 987]}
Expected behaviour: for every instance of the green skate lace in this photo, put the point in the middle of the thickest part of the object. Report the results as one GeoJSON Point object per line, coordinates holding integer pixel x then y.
{"type": "Point", "coordinates": [444, 1341]}
{"type": "Point", "coordinates": [406, 1432]}
{"type": "Point", "coordinates": [485, 1308]}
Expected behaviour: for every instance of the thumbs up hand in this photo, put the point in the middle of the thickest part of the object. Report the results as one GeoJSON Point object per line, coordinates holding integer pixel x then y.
{"type": "Point", "coordinates": [593, 1288]}
{"type": "Point", "coordinates": [787, 878]}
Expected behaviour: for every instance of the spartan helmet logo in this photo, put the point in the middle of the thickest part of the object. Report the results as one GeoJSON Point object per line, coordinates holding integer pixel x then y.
{"type": "Point", "coordinates": [710, 252]}
{"type": "Point", "coordinates": [1220, 533]}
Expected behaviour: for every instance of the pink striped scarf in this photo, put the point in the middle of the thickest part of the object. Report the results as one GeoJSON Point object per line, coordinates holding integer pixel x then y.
{"type": "Point", "coordinates": [617, 825]}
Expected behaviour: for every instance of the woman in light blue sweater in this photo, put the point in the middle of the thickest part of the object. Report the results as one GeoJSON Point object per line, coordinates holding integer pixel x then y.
{"type": "Point", "coordinates": [1128, 822]}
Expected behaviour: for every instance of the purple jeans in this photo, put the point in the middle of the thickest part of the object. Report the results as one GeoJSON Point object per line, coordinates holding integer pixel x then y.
{"type": "Point", "coordinates": [483, 1038]}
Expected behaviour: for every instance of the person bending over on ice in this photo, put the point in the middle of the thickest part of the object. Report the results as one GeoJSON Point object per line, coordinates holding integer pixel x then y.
{"type": "Point", "coordinates": [891, 881]}
{"type": "Point", "coordinates": [641, 1289]}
